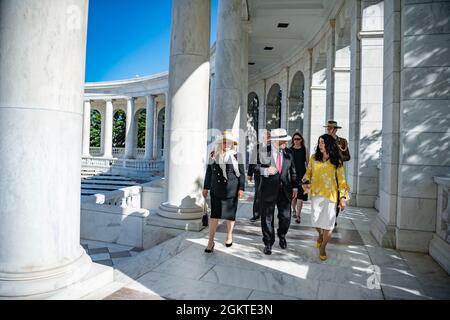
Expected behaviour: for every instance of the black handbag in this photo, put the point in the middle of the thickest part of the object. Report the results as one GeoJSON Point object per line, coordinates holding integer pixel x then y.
{"type": "Point", "coordinates": [205, 216]}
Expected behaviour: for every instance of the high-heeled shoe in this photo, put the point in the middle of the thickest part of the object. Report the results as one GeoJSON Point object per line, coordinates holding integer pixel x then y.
{"type": "Point", "coordinates": [210, 250]}
{"type": "Point", "coordinates": [229, 244]}
{"type": "Point", "coordinates": [323, 258]}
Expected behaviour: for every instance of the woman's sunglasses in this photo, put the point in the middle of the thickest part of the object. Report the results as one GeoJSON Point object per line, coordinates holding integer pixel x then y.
{"type": "Point", "coordinates": [297, 139]}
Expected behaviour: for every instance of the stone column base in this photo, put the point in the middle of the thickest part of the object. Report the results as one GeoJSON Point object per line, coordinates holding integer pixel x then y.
{"type": "Point", "coordinates": [440, 251]}
{"type": "Point", "coordinates": [157, 219]}
{"type": "Point", "coordinates": [413, 240]}
{"type": "Point", "coordinates": [383, 233]}
{"type": "Point", "coordinates": [51, 283]}
{"type": "Point", "coordinates": [365, 201]}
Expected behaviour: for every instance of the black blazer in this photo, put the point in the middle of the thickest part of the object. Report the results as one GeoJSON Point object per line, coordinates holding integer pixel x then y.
{"type": "Point", "coordinates": [287, 179]}
{"type": "Point", "coordinates": [252, 166]}
{"type": "Point", "coordinates": [219, 186]}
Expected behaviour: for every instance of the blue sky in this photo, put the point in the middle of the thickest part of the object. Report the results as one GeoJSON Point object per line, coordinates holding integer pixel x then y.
{"type": "Point", "coordinates": [130, 37]}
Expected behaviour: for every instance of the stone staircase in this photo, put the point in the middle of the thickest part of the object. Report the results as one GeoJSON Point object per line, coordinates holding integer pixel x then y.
{"type": "Point", "coordinates": [94, 181]}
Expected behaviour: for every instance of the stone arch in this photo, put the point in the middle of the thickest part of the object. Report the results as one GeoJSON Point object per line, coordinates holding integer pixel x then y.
{"type": "Point", "coordinates": [273, 107]}
{"type": "Point", "coordinates": [296, 103]}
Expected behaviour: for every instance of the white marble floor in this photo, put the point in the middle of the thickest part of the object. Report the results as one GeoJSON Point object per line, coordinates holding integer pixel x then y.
{"type": "Point", "coordinates": [357, 267]}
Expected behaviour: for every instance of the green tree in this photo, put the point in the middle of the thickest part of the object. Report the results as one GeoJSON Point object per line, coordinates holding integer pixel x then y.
{"type": "Point", "coordinates": [142, 120]}
{"type": "Point", "coordinates": [119, 129]}
{"type": "Point", "coordinates": [96, 129]}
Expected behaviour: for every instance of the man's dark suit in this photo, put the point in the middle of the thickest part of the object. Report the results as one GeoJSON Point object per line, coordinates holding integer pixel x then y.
{"type": "Point", "coordinates": [252, 172]}
{"type": "Point", "coordinates": [276, 190]}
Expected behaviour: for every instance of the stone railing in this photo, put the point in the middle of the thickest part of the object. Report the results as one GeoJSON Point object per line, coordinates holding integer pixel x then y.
{"type": "Point", "coordinates": [144, 165]}
{"type": "Point", "coordinates": [129, 197]}
{"type": "Point", "coordinates": [440, 244]}
{"type": "Point", "coordinates": [140, 153]}
{"type": "Point", "coordinates": [95, 151]}
{"type": "Point", "coordinates": [138, 169]}
{"type": "Point", "coordinates": [118, 152]}
{"type": "Point", "coordinates": [443, 208]}
{"type": "Point", "coordinates": [123, 163]}
{"type": "Point", "coordinates": [96, 162]}
{"type": "Point", "coordinates": [115, 217]}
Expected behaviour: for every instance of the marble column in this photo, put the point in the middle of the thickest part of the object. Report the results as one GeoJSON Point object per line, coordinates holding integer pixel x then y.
{"type": "Point", "coordinates": [212, 90]}
{"type": "Point", "coordinates": [318, 100]}
{"type": "Point", "coordinates": [383, 228]}
{"type": "Point", "coordinates": [188, 112]}
{"type": "Point", "coordinates": [156, 146]}
{"type": "Point", "coordinates": [371, 103]}
{"type": "Point", "coordinates": [42, 63]}
{"type": "Point", "coordinates": [130, 133]}
{"type": "Point", "coordinates": [355, 100]}
{"type": "Point", "coordinates": [423, 117]}
{"type": "Point", "coordinates": [86, 129]}
{"type": "Point", "coordinates": [150, 128]}
{"type": "Point", "coordinates": [244, 91]}
{"type": "Point", "coordinates": [284, 98]}
{"type": "Point", "coordinates": [228, 86]}
{"type": "Point", "coordinates": [341, 112]}
{"type": "Point", "coordinates": [108, 132]}
{"type": "Point", "coordinates": [331, 60]}
{"type": "Point", "coordinates": [307, 109]}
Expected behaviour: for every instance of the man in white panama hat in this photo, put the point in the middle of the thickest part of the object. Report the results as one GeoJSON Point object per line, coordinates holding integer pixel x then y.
{"type": "Point", "coordinates": [278, 187]}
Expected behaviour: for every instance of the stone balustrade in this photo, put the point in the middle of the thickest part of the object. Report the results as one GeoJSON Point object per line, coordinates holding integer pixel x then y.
{"type": "Point", "coordinates": [114, 216]}
{"type": "Point", "coordinates": [95, 151]}
{"type": "Point", "coordinates": [137, 169]}
{"type": "Point", "coordinates": [129, 197]}
{"type": "Point", "coordinates": [440, 244]}
{"type": "Point", "coordinates": [443, 208]}
{"type": "Point", "coordinates": [119, 152]}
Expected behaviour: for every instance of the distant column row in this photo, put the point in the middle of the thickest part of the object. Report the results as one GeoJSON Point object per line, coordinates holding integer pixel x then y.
{"type": "Point", "coordinates": [131, 131]}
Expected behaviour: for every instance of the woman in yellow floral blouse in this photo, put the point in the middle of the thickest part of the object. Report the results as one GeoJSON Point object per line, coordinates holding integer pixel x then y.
{"type": "Point", "coordinates": [323, 179]}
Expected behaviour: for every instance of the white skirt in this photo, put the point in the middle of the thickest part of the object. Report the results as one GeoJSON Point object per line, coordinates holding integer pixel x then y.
{"type": "Point", "coordinates": [323, 213]}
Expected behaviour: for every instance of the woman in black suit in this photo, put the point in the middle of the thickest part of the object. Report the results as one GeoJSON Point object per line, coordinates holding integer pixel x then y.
{"type": "Point", "coordinates": [225, 178]}
{"type": "Point", "coordinates": [300, 153]}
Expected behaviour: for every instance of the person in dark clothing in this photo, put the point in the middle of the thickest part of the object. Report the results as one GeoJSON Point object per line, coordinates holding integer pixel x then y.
{"type": "Point", "coordinates": [301, 156]}
{"type": "Point", "coordinates": [225, 179]}
{"type": "Point", "coordinates": [252, 173]}
{"type": "Point", "coordinates": [278, 187]}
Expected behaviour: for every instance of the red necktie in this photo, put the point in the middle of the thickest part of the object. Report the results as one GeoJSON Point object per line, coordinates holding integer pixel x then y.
{"type": "Point", "coordinates": [279, 162]}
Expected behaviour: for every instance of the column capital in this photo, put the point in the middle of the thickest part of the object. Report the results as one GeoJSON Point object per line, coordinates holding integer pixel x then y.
{"type": "Point", "coordinates": [130, 99]}
{"type": "Point", "coordinates": [310, 50]}
{"type": "Point", "coordinates": [108, 100]}
{"type": "Point", "coordinates": [87, 100]}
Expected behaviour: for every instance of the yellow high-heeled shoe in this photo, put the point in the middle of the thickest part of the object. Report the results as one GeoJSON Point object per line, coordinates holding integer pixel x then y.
{"type": "Point", "coordinates": [323, 258]}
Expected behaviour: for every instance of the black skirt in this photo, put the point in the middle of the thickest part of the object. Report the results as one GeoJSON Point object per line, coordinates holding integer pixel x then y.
{"type": "Point", "coordinates": [300, 168]}
{"type": "Point", "coordinates": [224, 208]}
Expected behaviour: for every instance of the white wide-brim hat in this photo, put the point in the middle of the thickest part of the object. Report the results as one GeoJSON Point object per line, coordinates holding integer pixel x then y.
{"type": "Point", "coordinates": [227, 135]}
{"type": "Point", "coordinates": [279, 135]}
